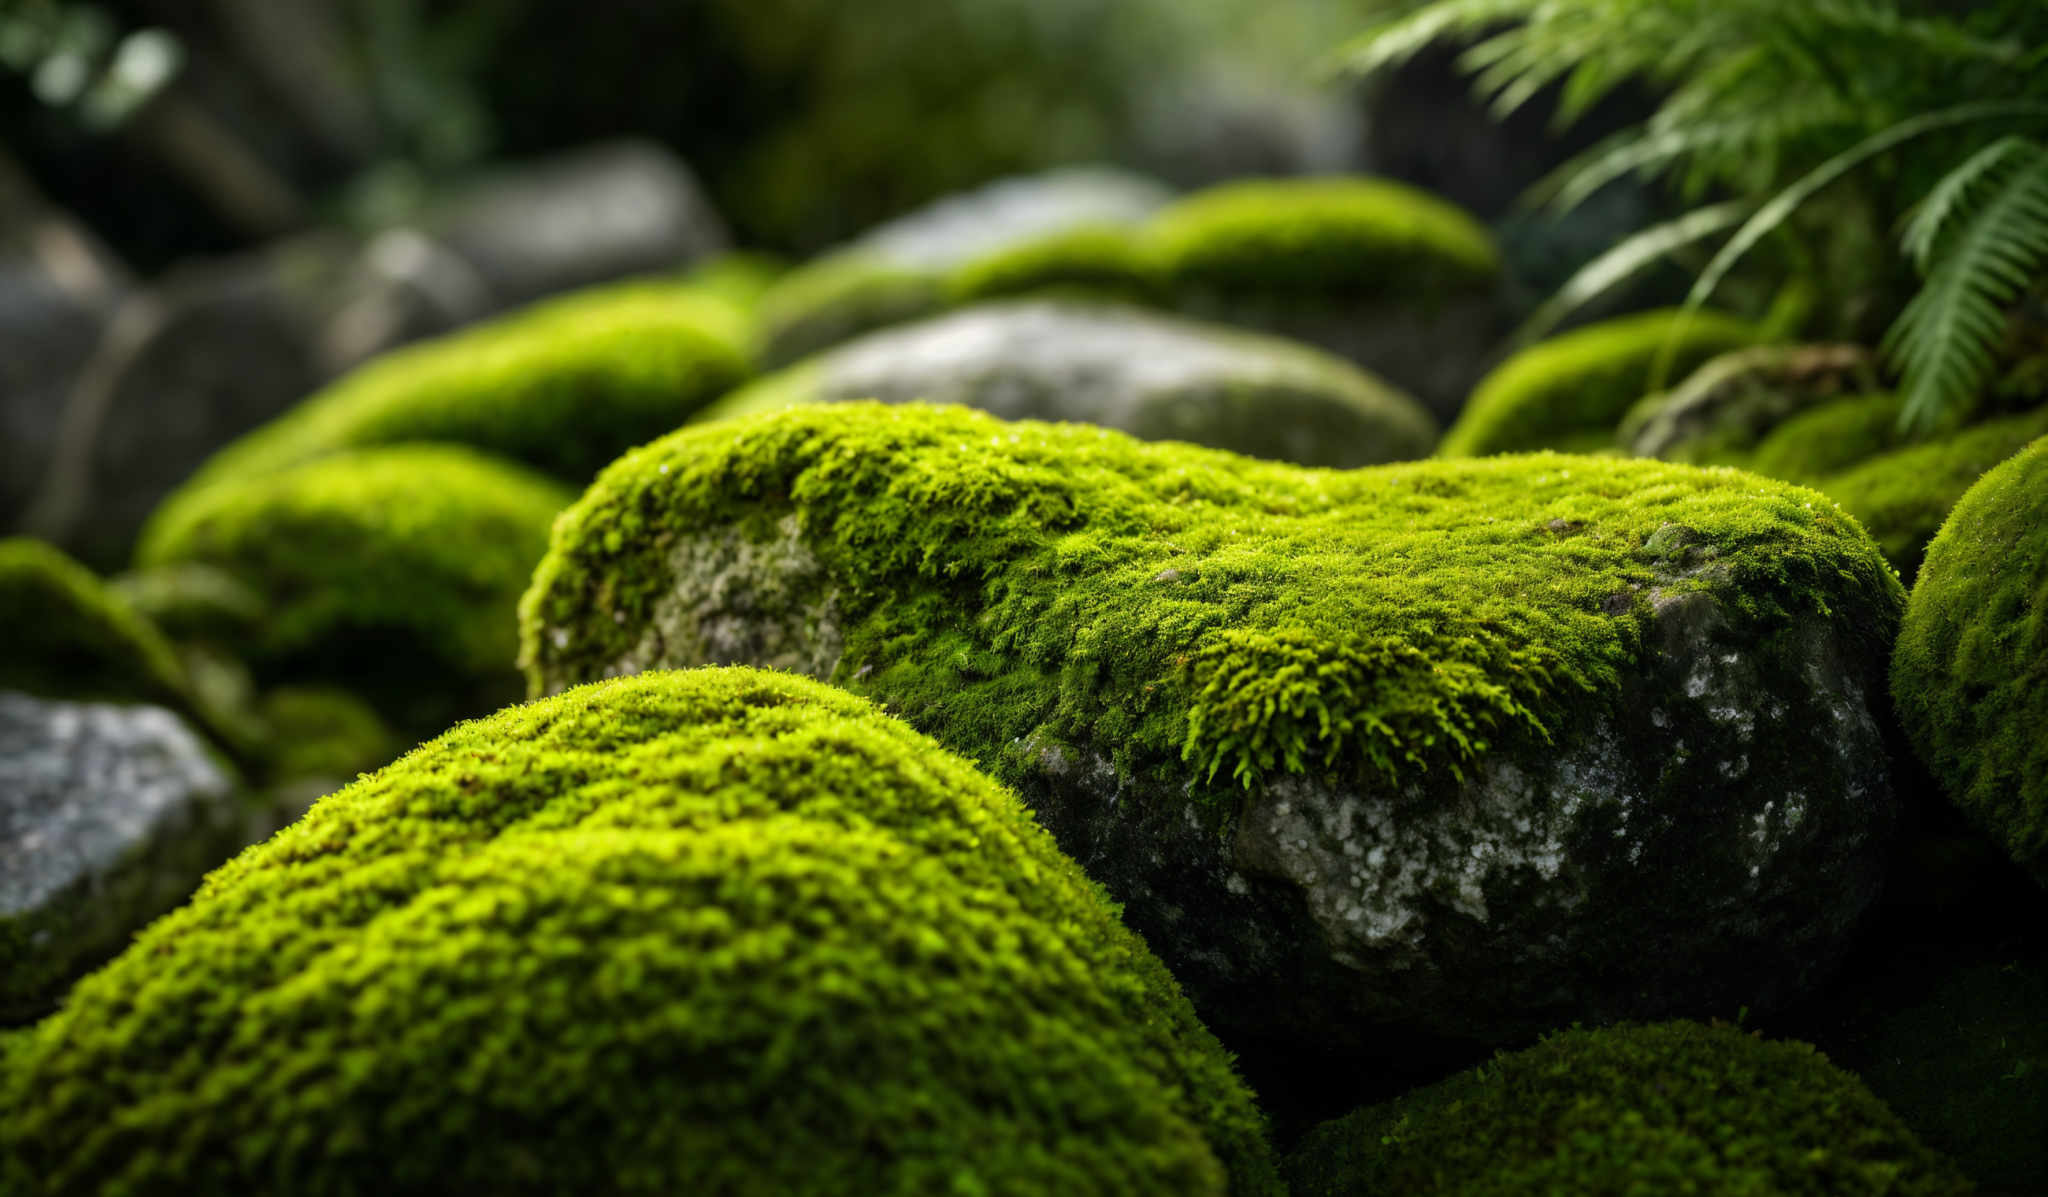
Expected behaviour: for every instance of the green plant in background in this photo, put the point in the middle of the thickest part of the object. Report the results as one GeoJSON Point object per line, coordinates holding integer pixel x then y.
{"type": "Point", "coordinates": [1813, 125]}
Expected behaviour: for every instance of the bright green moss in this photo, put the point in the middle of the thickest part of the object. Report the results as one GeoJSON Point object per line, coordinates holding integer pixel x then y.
{"type": "Point", "coordinates": [563, 386]}
{"type": "Point", "coordinates": [69, 636]}
{"type": "Point", "coordinates": [1970, 674]}
{"type": "Point", "coordinates": [1904, 495]}
{"type": "Point", "coordinates": [1828, 439]}
{"type": "Point", "coordinates": [715, 931]}
{"type": "Point", "coordinates": [737, 277]}
{"type": "Point", "coordinates": [1002, 584]}
{"type": "Point", "coordinates": [1581, 384]}
{"type": "Point", "coordinates": [319, 731]}
{"type": "Point", "coordinates": [1327, 236]}
{"type": "Point", "coordinates": [1666, 1108]}
{"type": "Point", "coordinates": [1096, 261]}
{"type": "Point", "coordinates": [394, 569]}
{"type": "Point", "coordinates": [839, 296]}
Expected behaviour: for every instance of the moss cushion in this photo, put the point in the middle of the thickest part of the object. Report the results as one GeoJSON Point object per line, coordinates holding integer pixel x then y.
{"type": "Point", "coordinates": [715, 931]}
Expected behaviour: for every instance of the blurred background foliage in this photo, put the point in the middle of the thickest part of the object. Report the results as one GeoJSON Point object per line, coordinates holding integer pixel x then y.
{"type": "Point", "coordinates": [808, 120]}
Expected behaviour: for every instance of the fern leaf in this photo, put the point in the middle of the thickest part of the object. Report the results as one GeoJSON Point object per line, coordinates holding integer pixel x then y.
{"type": "Point", "coordinates": [1624, 261]}
{"type": "Point", "coordinates": [1952, 195]}
{"type": "Point", "coordinates": [1393, 42]}
{"type": "Point", "coordinates": [1781, 206]}
{"type": "Point", "coordinates": [1945, 341]}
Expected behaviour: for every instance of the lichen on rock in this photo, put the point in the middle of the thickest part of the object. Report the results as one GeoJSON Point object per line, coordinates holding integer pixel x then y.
{"type": "Point", "coordinates": [705, 931]}
{"type": "Point", "coordinates": [1236, 690]}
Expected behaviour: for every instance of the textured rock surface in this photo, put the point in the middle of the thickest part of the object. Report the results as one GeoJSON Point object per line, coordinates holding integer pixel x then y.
{"type": "Point", "coordinates": [108, 816]}
{"type": "Point", "coordinates": [1154, 377]}
{"type": "Point", "coordinates": [1474, 747]}
{"type": "Point", "coordinates": [1733, 401]}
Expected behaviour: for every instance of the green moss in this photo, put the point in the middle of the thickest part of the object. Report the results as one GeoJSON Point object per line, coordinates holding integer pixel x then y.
{"type": "Point", "coordinates": [394, 570]}
{"type": "Point", "coordinates": [716, 931]}
{"type": "Point", "coordinates": [1665, 1108]}
{"type": "Point", "coordinates": [791, 386]}
{"type": "Point", "coordinates": [1970, 674]}
{"type": "Point", "coordinates": [737, 277]}
{"type": "Point", "coordinates": [1828, 439]}
{"type": "Point", "coordinates": [1006, 583]}
{"type": "Point", "coordinates": [190, 601]}
{"type": "Point", "coordinates": [1323, 236]}
{"type": "Point", "coordinates": [1584, 382]}
{"type": "Point", "coordinates": [1094, 261]}
{"type": "Point", "coordinates": [1904, 495]}
{"type": "Point", "coordinates": [319, 731]}
{"type": "Point", "coordinates": [69, 636]}
{"type": "Point", "coordinates": [839, 296]}
{"type": "Point", "coordinates": [563, 386]}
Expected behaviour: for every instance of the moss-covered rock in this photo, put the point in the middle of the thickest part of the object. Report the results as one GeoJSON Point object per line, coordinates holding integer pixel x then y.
{"type": "Point", "coordinates": [1384, 274]}
{"type": "Point", "coordinates": [69, 636]}
{"type": "Point", "coordinates": [1105, 261]}
{"type": "Point", "coordinates": [1343, 741]}
{"type": "Point", "coordinates": [1968, 674]}
{"type": "Point", "coordinates": [1828, 439]}
{"type": "Point", "coordinates": [323, 732]}
{"type": "Point", "coordinates": [716, 931]}
{"type": "Point", "coordinates": [1732, 402]}
{"type": "Point", "coordinates": [1571, 391]}
{"type": "Point", "coordinates": [1155, 377]}
{"type": "Point", "coordinates": [563, 386]}
{"type": "Point", "coordinates": [1903, 495]}
{"type": "Point", "coordinates": [392, 570]}
{"type": "Point", "coordinates": [1665, 1108]}
{"type": "Point", "coordinates": [1327, 236]}
{"type": "Point", "coordinates": [904, 269]}
{"type": "Point", "coordinates": [1947, 1026]}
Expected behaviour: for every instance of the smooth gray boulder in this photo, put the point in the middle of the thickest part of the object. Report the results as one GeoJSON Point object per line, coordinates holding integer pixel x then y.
{"type": "Point", "coordinates": [1155, 377]}
{"type": "Point", "coordinates": [109, 816]}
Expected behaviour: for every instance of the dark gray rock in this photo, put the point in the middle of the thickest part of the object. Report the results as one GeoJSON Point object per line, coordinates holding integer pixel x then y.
{"type": "Point", "coordinates": [1156, 377]}
{"type": "Point", "coordinates": [109, 816]}
{"type": "Point", "coordinates": [46, 337]}
{"type": "Point", "coordinates": [580, 218]}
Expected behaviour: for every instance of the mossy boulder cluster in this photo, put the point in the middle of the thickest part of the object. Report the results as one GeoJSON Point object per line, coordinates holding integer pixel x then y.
{"type": "Point", "coordinates": [1343, 742]}
{"type": "Point", "coordinates": [1390, 277]}
{"type": "Point", "coordinates": [1155, 377]}
{"type": "Point", "coordinates": [713, 931]}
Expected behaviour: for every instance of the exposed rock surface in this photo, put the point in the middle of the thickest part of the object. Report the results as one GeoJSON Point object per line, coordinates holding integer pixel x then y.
{"type": "Point", "coordinates": [1155, 377]}
{"type": "Point", "coordinates": [1733, 401]}
{"type": "Point", "coordinates": [109, 815]}
{"type": "Point", "coordinates": [1478, 748]}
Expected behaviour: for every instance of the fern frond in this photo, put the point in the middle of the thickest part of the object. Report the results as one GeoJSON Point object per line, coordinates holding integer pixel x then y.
{"type": "Point", "coordinates": [1952, 195]}
{"type": "Point", "coordinates": [1624, 261]}
{"type": "Point", "coordinates": [1393, 42]}
{"type": "Point", "coordinates": [1946, 340]}
{"type": "Point", "coordinates": [1782, 205]}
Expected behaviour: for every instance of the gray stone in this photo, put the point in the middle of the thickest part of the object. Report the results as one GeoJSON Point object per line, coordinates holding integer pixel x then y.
{"type": "Point", "coordinates": [1733, 401]}
{"type": "Point", "coordinates": [1154, 376]}
{"type": "Point", "coordinates": [960, 228]}
{"type": "Point", "coordinates": [594, 214]}
{"type": "Point", "coordinates": [46, 337]}
{"type": "Point", "coordinates": [109, 816]}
